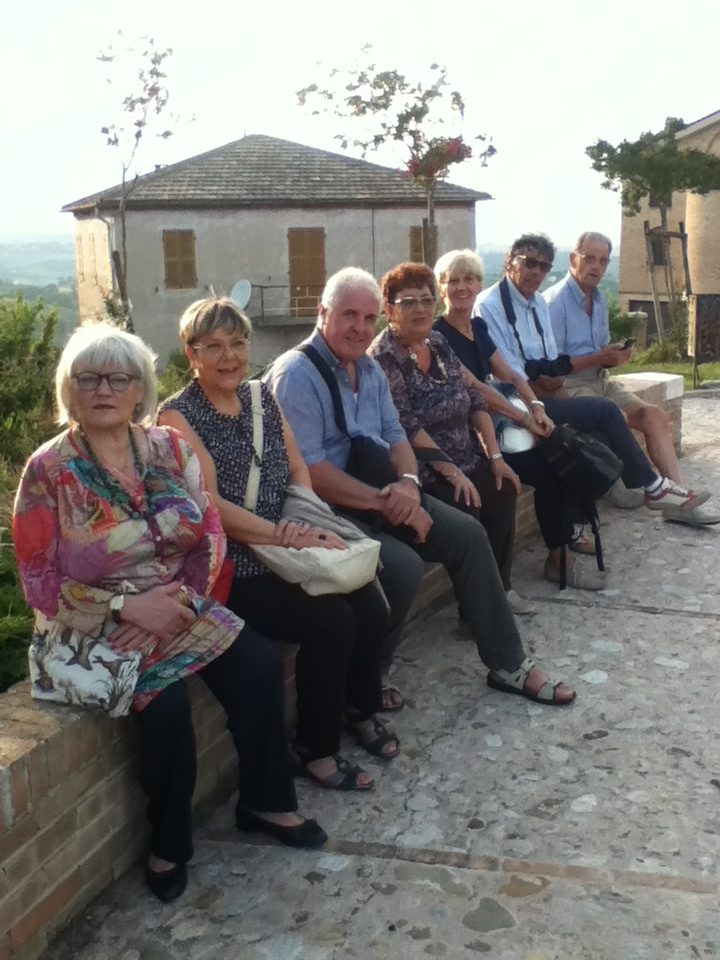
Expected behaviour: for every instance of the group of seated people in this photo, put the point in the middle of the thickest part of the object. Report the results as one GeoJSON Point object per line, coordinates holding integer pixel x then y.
{"type": "Point", "coordinates": [122, 521]}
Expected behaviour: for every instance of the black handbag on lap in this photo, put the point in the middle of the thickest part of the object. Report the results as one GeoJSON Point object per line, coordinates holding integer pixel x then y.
{"type": "Point", "coordinates": [587, 468]}
{"type": "Point", "coordinates": [583, 464]}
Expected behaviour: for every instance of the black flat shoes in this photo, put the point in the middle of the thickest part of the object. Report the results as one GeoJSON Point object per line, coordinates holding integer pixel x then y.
{"type": "Point", "coordinates": [168, 885]}
{"type": "Point", "coordinates": [307, 835]}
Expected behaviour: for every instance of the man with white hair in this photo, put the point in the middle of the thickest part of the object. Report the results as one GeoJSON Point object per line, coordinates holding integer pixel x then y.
{"type": "Point", "coordinates": [579, 316]}
{"type": "Point", "coordinates": [410, 528]}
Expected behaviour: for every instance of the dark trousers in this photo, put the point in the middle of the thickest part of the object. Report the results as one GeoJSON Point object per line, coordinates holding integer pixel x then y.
{"type": "Point", "coordinates": [339, 656]}
{"type": "Point", "coordinates": [248, 681]}
{"type": "Point", "coordinates": [555, 514]}
{"type": "Point", "coordinates": [496, 513]}
{"type": "Point", "coordinates": [460, 544]}
{"type": "Point", "coordinates": [604, 420]}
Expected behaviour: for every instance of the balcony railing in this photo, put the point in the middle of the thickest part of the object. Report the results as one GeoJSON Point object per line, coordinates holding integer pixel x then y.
{"type": "Point", "coordinates": [277, 302]}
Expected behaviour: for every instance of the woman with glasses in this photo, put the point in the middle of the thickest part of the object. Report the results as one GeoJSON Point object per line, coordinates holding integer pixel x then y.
{"type": "Point", "coordinates": [337, 668]}
{"type": "Point", "coordinates": [446, 423]}
{"type": "Point", "coordinates": [117, 547]}
{"type": "Point", "coordinates": [459, 274]}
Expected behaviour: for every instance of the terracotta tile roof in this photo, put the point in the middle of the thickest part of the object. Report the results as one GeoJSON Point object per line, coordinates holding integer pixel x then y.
{"type": "Point", "coordinates": [260, 171]}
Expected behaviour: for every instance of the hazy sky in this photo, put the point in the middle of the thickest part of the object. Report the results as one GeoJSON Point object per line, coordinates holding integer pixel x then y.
{"type": "Point", "coordinates": [543, 79]}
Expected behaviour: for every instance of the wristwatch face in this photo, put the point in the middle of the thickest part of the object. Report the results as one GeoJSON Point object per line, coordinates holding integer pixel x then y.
{"type": "Point", "coordinates": [116, 605]}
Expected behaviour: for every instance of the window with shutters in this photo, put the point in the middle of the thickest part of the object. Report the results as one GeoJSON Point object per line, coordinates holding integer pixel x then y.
{"type": "Point", "coordinates": [416, 244]}
{"type": "Point", "coordinates": [306, 258]}
{"type": "Point", "coordinates": [179, 256]}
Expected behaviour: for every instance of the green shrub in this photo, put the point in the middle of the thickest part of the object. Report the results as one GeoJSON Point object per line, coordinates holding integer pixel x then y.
{"type": "Point", "coordinates": [621, 324]}
{"type": "Point", "coordinates": [28, 357]}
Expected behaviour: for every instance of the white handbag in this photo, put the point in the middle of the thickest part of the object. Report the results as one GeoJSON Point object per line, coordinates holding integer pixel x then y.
{"type": "Point", "coordinates": [318, 570]}
{"type": "Point", "coordinates": [515, 439]}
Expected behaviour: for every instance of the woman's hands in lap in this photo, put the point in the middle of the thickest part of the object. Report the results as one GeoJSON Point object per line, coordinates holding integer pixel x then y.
{"type": "Point", "coordinates": [298, 535]}
{"type": "Point", "coordinates": [158, 611]}
{"type": "Point", "coordinates": [465, 489]}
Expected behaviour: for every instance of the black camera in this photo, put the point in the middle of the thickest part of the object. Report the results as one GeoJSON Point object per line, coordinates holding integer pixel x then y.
{"type": "Point", "coordinates": [559, 367]}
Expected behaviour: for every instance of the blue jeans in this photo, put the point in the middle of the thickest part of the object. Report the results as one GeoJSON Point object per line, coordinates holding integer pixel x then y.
{"type": "Point", "coordinates": [604, 420]}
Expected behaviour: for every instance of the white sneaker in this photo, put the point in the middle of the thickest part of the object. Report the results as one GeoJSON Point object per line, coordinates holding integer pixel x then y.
{"type": "Point", "coordinates": [672, 495]}
{"type": "Point", "coordinates": [518, 604]}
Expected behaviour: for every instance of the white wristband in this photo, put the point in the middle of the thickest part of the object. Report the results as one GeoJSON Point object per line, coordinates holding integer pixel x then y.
{"type": "Point", "coordinates": [537, 403]}
{"type": "Point", "coordinates": [496, 456]}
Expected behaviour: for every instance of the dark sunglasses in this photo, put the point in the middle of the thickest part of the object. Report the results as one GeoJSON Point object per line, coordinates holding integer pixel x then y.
{"type": "Point", "coordinates": [532, 263]}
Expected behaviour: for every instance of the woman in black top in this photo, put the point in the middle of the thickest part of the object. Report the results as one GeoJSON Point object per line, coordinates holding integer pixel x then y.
{"type": "Point", "coordinates": [460, 279]}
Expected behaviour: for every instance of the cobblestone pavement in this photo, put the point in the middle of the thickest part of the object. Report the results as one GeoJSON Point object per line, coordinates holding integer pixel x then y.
{"type": "Point", "coordinates": [505, 829]}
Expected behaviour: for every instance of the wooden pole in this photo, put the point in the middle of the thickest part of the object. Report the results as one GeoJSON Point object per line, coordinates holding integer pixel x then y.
{"type": "Point", "coordinates": [688, 293]}
{"type": "Point", "coordinates": [653, 285]}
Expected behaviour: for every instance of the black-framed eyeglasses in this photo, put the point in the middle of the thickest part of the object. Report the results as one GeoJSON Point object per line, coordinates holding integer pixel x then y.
{"type": "Point", "coordinates": [532, 263]}
{"type": "Point", "coordinates": [409, 303]}
{"type": "Point", "coordinates": [118, 382]}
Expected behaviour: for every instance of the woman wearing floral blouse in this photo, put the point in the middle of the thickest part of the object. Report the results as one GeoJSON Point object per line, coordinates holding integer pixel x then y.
{"type": "Point", "coordinates": [117, 547]}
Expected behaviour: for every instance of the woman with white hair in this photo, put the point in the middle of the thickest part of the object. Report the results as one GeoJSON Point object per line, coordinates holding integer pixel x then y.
{"type": "Point", "coordinates": [118, 547]}
{"type": "Point", "coordinates": [459, 274]}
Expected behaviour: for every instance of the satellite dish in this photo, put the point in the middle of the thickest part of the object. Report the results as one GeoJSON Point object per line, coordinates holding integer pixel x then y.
{"type": "Point", "coordinates": [241, 293]}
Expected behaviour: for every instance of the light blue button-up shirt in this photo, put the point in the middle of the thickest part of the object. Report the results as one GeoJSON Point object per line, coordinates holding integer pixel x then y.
{"type": "Point", "coordinates": [575, 332]}
{"type": "Point", "coordinates": [489, 306]}
{"type": "Point", "coordinates": [305, 400]}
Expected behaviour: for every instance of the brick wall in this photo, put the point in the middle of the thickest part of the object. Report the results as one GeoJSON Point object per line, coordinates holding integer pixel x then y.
{"type": "Point", "coordinates": [71, 811]}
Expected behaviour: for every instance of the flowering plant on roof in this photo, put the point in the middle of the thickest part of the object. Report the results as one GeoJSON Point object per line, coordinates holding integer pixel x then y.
{"type": "Point", "coordinates": [432, 159]}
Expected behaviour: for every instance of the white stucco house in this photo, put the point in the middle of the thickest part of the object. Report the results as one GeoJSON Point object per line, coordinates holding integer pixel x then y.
{"type": "Point", "coordinates": [282, 215]}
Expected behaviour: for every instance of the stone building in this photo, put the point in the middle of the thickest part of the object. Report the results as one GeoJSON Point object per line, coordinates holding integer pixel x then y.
{"type": "Point", "coordinates": [281, 215]}
{"type": "Point", "coordinates": [701, 217]}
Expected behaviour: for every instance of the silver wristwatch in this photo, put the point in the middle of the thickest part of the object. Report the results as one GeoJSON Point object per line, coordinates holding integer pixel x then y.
{"type": "Point", "coordinates": [412, 476]}
{"type": "Point", "coordinates": [116, 604]}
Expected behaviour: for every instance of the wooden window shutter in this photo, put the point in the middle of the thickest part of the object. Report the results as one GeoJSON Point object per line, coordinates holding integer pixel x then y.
{"type": "Point", "coordinates": [179, 257]}
{"type": "Point", "coordinates": [306, 261]}
{"type": "Point", "coordinates": [416, 245]}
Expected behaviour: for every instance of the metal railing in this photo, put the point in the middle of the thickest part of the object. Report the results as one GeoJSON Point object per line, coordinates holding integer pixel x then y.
{"type": "Point", "coordinates": [268, 301]}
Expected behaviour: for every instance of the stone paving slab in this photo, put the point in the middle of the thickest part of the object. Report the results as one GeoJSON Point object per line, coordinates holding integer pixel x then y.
{"type": "Point", "coordinates": [504, 829]}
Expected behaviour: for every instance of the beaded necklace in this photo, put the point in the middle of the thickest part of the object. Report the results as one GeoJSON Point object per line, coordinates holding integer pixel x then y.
{"type": "Point", "coordinates": [135, 505]}
{"type": "Point", "coordinates": [433, 356]}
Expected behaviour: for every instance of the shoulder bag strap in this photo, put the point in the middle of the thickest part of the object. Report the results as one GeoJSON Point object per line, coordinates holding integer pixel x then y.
{"type": "Point", "coordinates": [253, 481]}
{"type": "Point", "coordinates": [512, 319]}
{"type": "Point", "coordinates": [328, 376]}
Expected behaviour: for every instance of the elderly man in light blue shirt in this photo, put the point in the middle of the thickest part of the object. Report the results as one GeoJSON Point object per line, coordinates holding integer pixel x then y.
{"type": "Point", "coordinates": [411, 529]}
{"type": "Point", "coordinates": [519, 322]}
{"type": "Point", "coordinates": [580, 323]}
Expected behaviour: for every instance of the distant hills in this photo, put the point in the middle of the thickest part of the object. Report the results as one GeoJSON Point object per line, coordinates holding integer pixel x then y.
{"type": "Point", "coordinates": [38, 262]}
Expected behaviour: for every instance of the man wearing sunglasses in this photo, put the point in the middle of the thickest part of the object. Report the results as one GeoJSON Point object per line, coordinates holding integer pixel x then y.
{"type": "Point", "coordinates": [519, 322]}
{"type": "Point", "coordinates": [579, 316]}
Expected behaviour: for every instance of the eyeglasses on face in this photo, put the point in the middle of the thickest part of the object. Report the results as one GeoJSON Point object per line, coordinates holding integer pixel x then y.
{"type": "Point", "coordinates": [410, 303]}
{"type": "Point", "coordinates": [532, 263]}
{"type": "Point", "coordinates": [214, 350]}
{"type": "Point", "coordinates": [592, 261]}
{"type": "Point", "coordinates": [118, 382]}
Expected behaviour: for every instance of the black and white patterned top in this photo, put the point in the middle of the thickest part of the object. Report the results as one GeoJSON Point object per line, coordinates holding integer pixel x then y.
{"type": "Point", "coordinates": [228, 440]}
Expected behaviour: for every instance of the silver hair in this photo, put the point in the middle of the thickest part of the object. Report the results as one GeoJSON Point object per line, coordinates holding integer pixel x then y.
{"type": "Point", "coordinates": [592, 237]}
{"type": "Point", "coordinates": [204, 317]}
{"type": "Point", "coordinates": [99, 345]}
{"type": "Point", "coordinates": [349, 278]}
{"type": "Point", "coordinates": [466, 260]}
